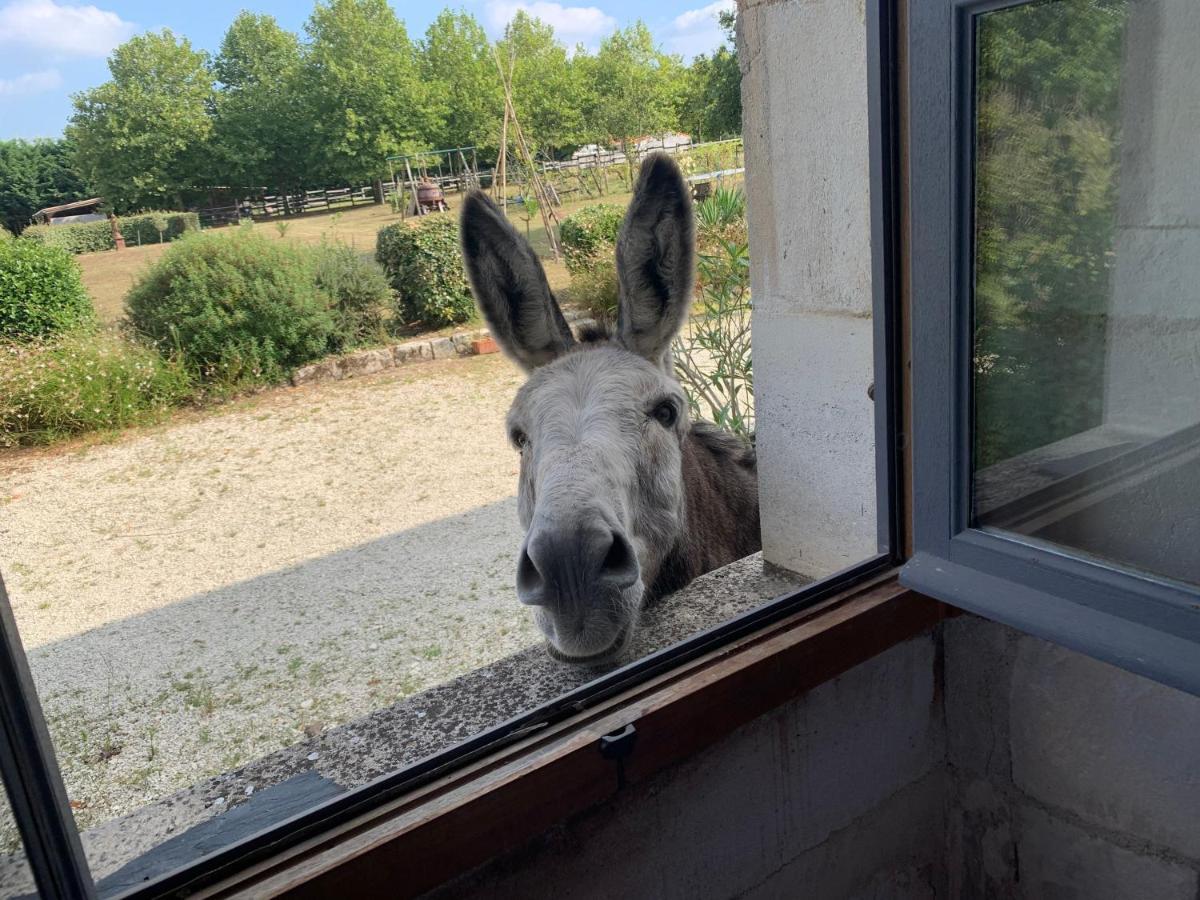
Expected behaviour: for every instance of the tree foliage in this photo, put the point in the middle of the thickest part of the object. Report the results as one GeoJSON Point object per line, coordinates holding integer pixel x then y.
{"type": "Point", "coordinates": [712, 101]}
{"type": "Point", "coordinates": [283, 112]}
{"type": "Point", "coordinates": [141, 138]}
{"type": "Point", "coordinates": [261, 130]}
{"type": "Point", "coordinates": [34, 175]}
{"type": "Point", "coordinates": [365, 95]}
{"type": "Point", "coordinates": [636, 88]}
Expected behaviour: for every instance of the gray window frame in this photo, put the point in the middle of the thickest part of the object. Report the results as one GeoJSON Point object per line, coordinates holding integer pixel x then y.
{"type": "Point", "coordinates": [1146, 625]}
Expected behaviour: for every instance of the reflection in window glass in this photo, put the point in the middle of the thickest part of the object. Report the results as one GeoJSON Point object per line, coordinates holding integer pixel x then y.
{"type": "Point", "coordinates": [1087, 279]}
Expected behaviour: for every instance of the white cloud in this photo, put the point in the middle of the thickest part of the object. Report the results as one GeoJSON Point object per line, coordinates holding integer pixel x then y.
{"type": "Point", "coordinates": [697, 30]}
{"type": "Point", "coordinates": [30, 83]}
{"type": "Point", "coordinates": [571, 24]}
{"type": "Point", "coordinates": [704, 17]}
{"type": "Point", "coordinates": [62, 29]}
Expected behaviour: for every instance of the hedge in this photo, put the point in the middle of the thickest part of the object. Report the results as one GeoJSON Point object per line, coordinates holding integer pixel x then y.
{"type": "Point", "coordinates": [424, 266]}
{"type": "Point", "coordinates": [588, 233]}
{"type": "Point", "coordinates": [41, 291]}
{"type": "Point", "coordinates": [87, 237]}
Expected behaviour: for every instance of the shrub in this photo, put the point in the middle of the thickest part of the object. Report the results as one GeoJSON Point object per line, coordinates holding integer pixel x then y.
{"type": "Point", "coordinates": [140, 228]}
{"type": "Point", "coordinates": [80, 237]}
{"type": "Point", "coordinates": [358, 290]}
{"type": "Point", "coordinates": [41, 291]}
{"type": "Point", "coordinates": [588, 233]}
{"type": "Point", "coordinates": [5, 234]}
{"type": "Point", "coordinates": [424, 266]}
{"type": "Point", "coordinates": [712, 354]}
{"type": "Point", "coordinates": [239, 307]}
{"type": "Point", "coordinates": [595, 287]}
{"type": "Point", "coordinates": [83, 381]}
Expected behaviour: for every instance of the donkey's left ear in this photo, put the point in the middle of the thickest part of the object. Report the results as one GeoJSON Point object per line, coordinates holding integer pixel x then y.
{"type": "Point", "coordinates": [655, 260]}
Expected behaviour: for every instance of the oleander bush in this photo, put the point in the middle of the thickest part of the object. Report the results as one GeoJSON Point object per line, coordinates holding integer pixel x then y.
{"type": "Point", "coordinates": [81, 381]}
{"type": "Point", "coordinates": [238, 307]}
{"type": "Point", "coordinates": [41, 291]}
{"type": "Point", "coordinates": [424, 265]}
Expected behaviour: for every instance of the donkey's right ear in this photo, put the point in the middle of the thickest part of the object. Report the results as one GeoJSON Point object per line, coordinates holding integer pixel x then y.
{"type": "Point", "coordinates": [510, 286]}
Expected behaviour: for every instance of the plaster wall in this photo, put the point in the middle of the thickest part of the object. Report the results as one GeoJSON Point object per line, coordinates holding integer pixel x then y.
{"type": "Point", "coordinates": [804, 99]}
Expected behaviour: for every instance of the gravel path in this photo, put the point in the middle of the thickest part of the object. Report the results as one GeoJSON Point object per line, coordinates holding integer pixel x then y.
{"type": "Point", "coordinates": [195, 595]}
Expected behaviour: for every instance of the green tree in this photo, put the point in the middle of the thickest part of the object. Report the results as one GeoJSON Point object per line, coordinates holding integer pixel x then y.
{"type": "Point", "coordinates": [34, 175]}
{"type": "Point", "coordinates": [457, 65]}
{"type": "Point", "coordinates": [363, 89]}
{"type": "Point", "coordinates": [712, 102]}
{"type": "Point", "coordinates": [548, 92]}
{"type": "Point", "coordinates": [262, 128]}
{"type": "Point", "coordinates": [141, 137]}
{"type": "Point", "coordinates": [636, 88]}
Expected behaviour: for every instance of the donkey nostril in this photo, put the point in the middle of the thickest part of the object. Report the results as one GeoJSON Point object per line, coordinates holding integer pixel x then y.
{"type": "Point", "coordinates": [620, 564]}
{"type": "Point", "coordinates": [529, 580]}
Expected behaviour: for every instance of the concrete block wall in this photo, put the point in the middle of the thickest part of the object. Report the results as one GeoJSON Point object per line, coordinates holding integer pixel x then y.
{"type": "Point", "coordinates": [804, 99]}
{"type": "Point", "coordinates": [1069, 777]}
{"type": "Point", "coordinates": [838, 794]}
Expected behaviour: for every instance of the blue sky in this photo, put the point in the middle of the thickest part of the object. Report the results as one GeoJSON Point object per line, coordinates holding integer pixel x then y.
{"type": "Point", "coordinates": [50, 49]}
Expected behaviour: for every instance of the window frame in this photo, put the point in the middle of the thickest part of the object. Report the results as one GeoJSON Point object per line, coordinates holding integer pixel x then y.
{"type": "Point", "coordinates": [1145, 624]}
{"type": "Point", "coordinates": [813, 613]}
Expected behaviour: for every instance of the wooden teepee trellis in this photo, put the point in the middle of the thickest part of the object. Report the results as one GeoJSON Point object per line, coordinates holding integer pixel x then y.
{"type": "Point", "coordinates": [536, 184]}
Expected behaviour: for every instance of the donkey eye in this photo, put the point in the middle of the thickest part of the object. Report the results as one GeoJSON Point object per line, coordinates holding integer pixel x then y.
{"type": "Point", "coordinates": [518, 438]}
{"type": "Point", "coordinates": [666, 414]}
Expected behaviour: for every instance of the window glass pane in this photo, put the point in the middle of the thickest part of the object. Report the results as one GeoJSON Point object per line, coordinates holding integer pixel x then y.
{"type": "Point", "coordinates": [1087, 279]}
{"type": "Point", "coordinates": [16, 880]}
{"type": "Point", "coordinates": [272, 543]}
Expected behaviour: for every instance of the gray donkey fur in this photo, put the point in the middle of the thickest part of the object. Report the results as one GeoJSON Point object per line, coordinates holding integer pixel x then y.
{"type": "Point", "coordinates": [623, 499]}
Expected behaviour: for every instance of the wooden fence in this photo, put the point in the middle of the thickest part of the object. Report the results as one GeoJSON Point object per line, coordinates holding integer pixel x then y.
{"type": "Point", "coordinates": [273, 206]}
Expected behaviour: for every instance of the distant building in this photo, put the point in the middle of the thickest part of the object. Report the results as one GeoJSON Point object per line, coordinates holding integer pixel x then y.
{"type": "Point", "coordinates": [79, 211]}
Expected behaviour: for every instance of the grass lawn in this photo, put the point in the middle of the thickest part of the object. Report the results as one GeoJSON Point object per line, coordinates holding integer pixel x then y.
{"type": "Point", "coordinates": [109, 274]}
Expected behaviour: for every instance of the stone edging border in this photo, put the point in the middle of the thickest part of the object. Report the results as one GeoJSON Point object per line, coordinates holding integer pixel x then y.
{"type": "Point", "coordinates": [376, 359]}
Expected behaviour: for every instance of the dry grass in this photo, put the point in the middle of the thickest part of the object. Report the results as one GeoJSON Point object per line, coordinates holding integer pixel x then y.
{"type": "Point", "coordinates": [108, 275]}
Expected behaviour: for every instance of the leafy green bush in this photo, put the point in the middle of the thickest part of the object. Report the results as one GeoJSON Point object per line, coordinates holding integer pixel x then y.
{"type": "Point", "coordinates": [41, 291]}
{"type": "Point", "coordinates": [358, 290]}
{"type": "Point", "coordinates": [239, 307]}
{"type": "Point", "coordinates": [588, 233]}
{"type": "Point", "coordinates": [88, 237]}
{"type": "Point", "coordinates": [83, 381]}
{"type": "Point", "coordinates": [80, 237]}
{"type": "Point", "coordinates": [424, 266]}
{"type": "Point", "coordinates": [155, 226]}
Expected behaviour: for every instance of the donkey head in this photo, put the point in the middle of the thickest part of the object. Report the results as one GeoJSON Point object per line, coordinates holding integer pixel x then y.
{"type": "Point", "coordinates": [599, 425]}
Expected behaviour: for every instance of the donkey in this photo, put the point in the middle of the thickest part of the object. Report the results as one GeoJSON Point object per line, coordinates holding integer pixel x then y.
{"type": "Point", "coordinates": [622, 498]}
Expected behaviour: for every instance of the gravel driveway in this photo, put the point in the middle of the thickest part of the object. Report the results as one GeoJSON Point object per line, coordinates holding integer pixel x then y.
{"type": "Point", "coordinates": [195, 595]}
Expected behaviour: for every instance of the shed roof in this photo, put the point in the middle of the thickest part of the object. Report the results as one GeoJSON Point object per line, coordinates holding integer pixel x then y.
{"type": "Point", "coordinates": [51, 211]}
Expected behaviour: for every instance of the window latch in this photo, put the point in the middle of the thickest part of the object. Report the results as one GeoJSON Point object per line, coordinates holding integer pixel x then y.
{"type": "Point", "coordinates": [618, 746]}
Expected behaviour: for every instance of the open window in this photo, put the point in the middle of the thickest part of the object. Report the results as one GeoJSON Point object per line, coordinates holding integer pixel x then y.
{"type": "Point", "coordinates": [829, 435]}
{"type": "Point", "coordinates": [1056, 322]}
